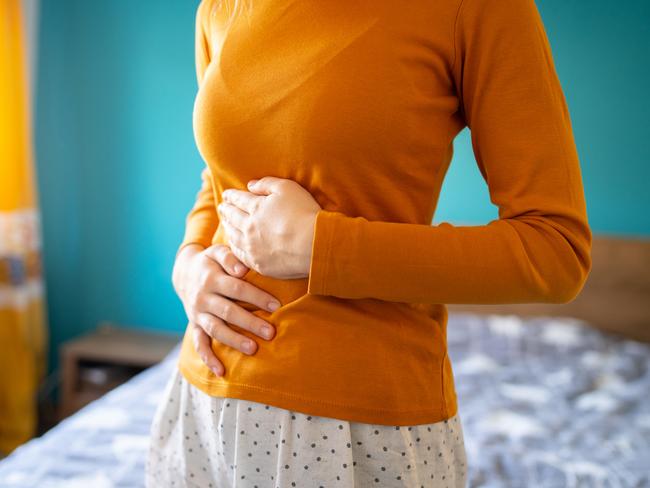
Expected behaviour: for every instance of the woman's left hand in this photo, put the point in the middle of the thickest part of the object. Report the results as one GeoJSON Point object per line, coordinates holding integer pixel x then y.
{"type": "Point", "coordinates": [271, 227]}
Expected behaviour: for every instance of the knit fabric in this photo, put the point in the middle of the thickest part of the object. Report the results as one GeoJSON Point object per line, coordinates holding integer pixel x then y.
{"type": "Point", "coordinates": [359, 102]}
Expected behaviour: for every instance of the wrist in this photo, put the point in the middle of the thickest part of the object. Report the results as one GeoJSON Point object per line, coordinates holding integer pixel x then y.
{"type": "Point", "coordinates": [183, 256]}
{"type": "Point", "coordinates": [189, 248]}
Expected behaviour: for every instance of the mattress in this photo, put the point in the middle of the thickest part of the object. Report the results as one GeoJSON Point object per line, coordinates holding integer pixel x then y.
{"type": "Point", "coordinates": [544, 402]}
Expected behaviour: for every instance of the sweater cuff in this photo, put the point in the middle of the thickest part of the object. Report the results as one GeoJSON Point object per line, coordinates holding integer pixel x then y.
{"type": "Point", "coordinates": [197, 232]}
{"type": "Point", "coordinates": [187, 243]}
{"type": "Point", "coordinates": [320, 267]}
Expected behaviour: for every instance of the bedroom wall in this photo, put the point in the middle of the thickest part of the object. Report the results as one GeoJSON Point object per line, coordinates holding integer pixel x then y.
{"type": "Point", "coordinates": [116, 159]}
{"type": "Point", "coordinates": [600, 50]}
{"type": "Point", "coordinates": [118, 169]}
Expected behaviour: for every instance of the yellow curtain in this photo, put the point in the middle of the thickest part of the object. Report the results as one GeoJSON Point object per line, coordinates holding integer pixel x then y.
{"type": "Point", "coordinates": [23, 332]}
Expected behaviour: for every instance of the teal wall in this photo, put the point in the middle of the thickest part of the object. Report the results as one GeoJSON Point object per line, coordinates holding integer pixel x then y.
{"type": "Point", "coordinates": [116, 160]}
{"type": "Point", "coordinates": [118, 169]}
{"type": "Point", "coordinates": [602, 55]}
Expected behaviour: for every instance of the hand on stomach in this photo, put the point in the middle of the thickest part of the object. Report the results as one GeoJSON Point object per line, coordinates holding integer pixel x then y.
{"type": "Point", "coordinates": [207, 280]}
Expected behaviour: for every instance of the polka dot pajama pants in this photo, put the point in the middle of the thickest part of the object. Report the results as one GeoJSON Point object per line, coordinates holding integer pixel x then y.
{"type": "Point", "coordinates": [211, 442]}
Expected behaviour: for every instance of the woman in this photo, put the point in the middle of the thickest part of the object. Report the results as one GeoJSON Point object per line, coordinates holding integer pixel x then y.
{"type": "Point", "coordinates": [344, 116]}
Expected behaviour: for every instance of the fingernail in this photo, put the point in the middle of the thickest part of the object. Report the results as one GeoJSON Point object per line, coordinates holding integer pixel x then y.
{"type": "Point", "coordinates": [266, 331]}
{"type": "Point", "coordinates": [238, 268]}
{"type": "Point", "coordinates": [273, 306]}
{"type": "Point", "coordinates": [216, 371]}
{"type": "Point", "coordinates": [252, 182]}
{"type": "Point", "coordinates": [248, 345]}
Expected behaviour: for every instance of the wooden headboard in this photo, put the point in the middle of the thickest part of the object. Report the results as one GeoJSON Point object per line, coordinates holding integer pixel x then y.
{"type": "Point", "coordinates": [615, 298]}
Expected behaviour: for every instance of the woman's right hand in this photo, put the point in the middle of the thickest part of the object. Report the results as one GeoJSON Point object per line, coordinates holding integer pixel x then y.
{"type": "Point", "coordinates": [206, 279]}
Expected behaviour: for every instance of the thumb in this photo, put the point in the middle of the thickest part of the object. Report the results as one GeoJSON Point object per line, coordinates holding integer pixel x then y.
{"type": "Point", "coordinates": [264, 186]}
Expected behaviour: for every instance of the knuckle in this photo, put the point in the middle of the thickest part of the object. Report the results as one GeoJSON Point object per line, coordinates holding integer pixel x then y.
{"type": "Point", "coordinates": [206, 357]}
{"type": "Point", "coordinates": [203, 279]}
{"type": "Point", "coordinates": [258, 329]}
{"type": "Point", "coordinates": [216, 331]}
{"type": "Point", "coordinates": [237, 287]}
{"type": "Point", "coordinates": [263, 323]}
{"type": "Point", "coordinates": [258, 267]}
{"type": "Point", "coordinates": [244, 255]}
{"type": "Point", "coordinates": [221, 282]}
{"type": "Point", "coordinates": [207, 326]}
{"type": "Point", "coordinates": [199, 300]}
{"type": "Point", "coordinates": [232, 261]}
{"type": "Point", "coordinates": [220, 252]}
{"type": "Point", "coordinates": [201, 257]}
{"type": "Point", "coordinates": [228, 256]}
{"type": "Point", "coordinates": [281, 185]}
{"type": "Point", "coordinates": [233, 255]}
{"type": "Point", "coordinates": [214, 325]}
{"type": "Point", "coordinates": [193, 300]}
{"type": "Point", "coordinates": [199, 343]}
{"type": "Point", "coordinates": [226, 310]}
{"type": "Point", "coordinates": [242, 344]}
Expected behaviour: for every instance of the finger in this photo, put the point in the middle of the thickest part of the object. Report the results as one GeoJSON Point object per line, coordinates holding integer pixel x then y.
{"type": "Point", "coordinates": [265, 185]}
{"type": "Point", "coordinates": [232, 214]}
{"type": "Point", "coordinates": [223, 255]}
{"type": "Point", "coordinates": [240, 289]}
{"type": "Point", "coordinates": [245, 200]}
{"type": "Point", "coordinates": [220, 331]}
{"type": "Point", "coordinates": [244, 291]}
{"type": "Point", "coordinates": [241, 255]}
{"type": "Point", "coordinates": [235, 236]}
{"type": "Point", "coordinates": [228, 311]}
{"type": "Point", "coordinates": [202, 346]}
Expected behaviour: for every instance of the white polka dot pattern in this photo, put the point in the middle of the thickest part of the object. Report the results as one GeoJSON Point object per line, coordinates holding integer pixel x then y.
{"type": "Point", "coordinates": [202, 441]}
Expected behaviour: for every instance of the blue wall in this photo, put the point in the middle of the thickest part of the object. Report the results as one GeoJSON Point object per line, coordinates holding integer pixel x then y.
{"type": "Point", "coordinates": [118, 169]}
{"type": "Point", "coordinates": [601, 51]}
{"type": "Point", "coordinates": [117, 165]}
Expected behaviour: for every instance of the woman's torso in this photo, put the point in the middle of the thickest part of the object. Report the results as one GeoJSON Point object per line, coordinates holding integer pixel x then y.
{"type": "Point", "coordinates": [356, 102]}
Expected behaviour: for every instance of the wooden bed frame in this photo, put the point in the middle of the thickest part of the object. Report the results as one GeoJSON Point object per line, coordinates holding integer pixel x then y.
{"type": "Point", "coordinates": [615, 298]}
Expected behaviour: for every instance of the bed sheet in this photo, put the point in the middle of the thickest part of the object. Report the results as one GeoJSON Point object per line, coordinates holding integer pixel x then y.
{"type": "Point", "coordinates": [551, 403]}
{"type": "Point", "coordinates": [545, 402]}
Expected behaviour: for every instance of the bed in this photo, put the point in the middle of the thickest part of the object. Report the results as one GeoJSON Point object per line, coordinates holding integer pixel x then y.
{"type": "Point", "coordinates": [544, 401]}
{"type": "Point", "coordinates": [549, 395]}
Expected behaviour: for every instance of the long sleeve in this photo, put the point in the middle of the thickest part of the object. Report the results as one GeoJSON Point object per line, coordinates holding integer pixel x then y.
{"type": "Point", "coordinates": [202, 220]}
{"type": "Point", "coordinates": [539, 249]}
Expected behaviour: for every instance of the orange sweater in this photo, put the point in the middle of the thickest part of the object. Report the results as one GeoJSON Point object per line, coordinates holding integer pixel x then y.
{"type": "Point", "coordinates": [359, 102]}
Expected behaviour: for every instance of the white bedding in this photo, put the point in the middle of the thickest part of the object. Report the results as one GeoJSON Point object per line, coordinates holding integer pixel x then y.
{"type": "Point", "coordinates": [544, 403]}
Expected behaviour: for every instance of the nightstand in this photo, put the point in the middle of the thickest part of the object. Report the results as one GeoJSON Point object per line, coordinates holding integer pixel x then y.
{"type": "Point", "coordinates": [96, 363]}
